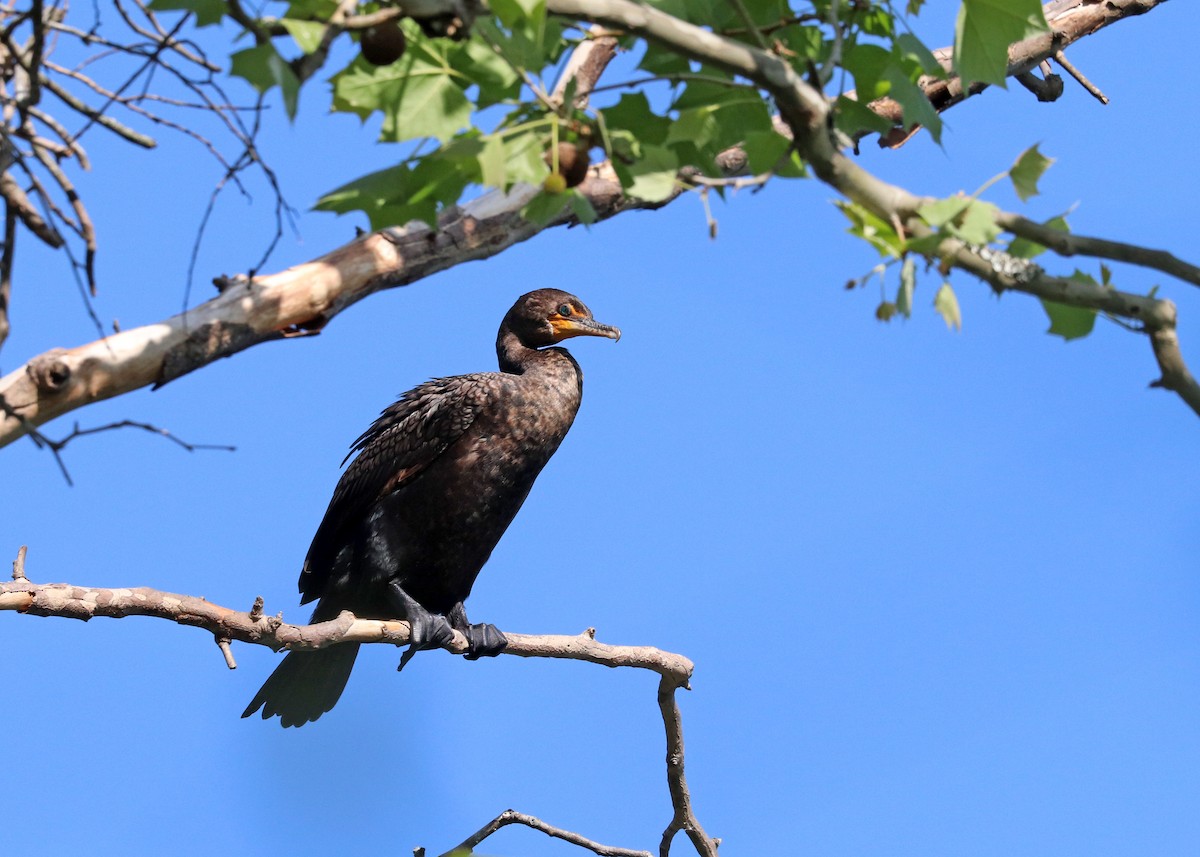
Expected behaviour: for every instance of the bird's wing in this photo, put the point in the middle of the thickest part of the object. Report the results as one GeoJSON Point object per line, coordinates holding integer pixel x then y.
{"type": "Point", "coordinates": [406, 438]}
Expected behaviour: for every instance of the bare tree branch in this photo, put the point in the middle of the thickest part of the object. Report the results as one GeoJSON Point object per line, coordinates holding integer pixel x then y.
{"type": "Point", "coordinates": [254, 626]}
{"type": "Point", "coordinates": [301, 299]}
{"type": "Point", "coordinates": [511, 816]}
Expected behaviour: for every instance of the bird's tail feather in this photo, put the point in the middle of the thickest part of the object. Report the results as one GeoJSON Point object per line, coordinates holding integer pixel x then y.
{"type": "Point", "coordinates": [305, 685]}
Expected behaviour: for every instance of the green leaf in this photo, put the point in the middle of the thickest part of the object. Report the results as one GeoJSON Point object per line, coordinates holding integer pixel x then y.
{"type": "Point", "coordinates": [633, 113]}
{"type": "Point", "coordinates": [207, 12]}
{"type": "Point", "coordinates": [985, 29]}
{"type": "Point", "coordinates": [307, 34]}
{"type": "Point", "coordinates": [978, 223]}
{"type": "Point", "coordinates": [946, 304]}
{"type": "Point", "coordinates": [417, 98]}
{"type": "Point", "coordinates": [582, 208]}
{"type": "Point", "coordinates": [1069, 322]}
{"type": "Point", "coordinates": [544, 207]}
{"type": "Point", "coordinates": [908, 283]}
{"type": "Point", "coordinates": [662, 61]}
{"type": "Point", "coordinates": [429, 106]}
{"type": "Point", "coordinates": [264, 68]}
{"type": "Point", "coordinates": [493, 163]}
{"type": "Point", "coordinates": [765, 151]}
{"type": "Point", "coordinates": [652, 177]}
{"type": "Point", "coordinates": [1023, 248]}
{"type": "Point", "coordinates": [524, 161]}
{"type": "Point", "coordinates": [853, 117]}
{"type": "Point", "coordinates": [914, 50]}
{"type": "Point", "coordinates": [942, 211]}
{"type": "Point", "coordinates": [873, 229]}
{"type": "Point", "coordinates": [1026, 172]}
{"type": "Point", "coordinates": [915, 105]}
{"type": "Point", "coordinates": [972, 220]}
{"type": "Point", "coordinates": [371, 194]}
{"type": "Point", "coordinates": [479, 64]}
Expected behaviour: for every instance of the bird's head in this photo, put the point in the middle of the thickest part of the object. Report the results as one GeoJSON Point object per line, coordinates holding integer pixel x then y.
{"type": "Point", "coordinates": [549, 316]}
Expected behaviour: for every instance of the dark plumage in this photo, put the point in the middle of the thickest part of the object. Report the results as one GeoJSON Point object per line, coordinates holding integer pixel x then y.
{"type": "Point", "coordinates": [434, 483]}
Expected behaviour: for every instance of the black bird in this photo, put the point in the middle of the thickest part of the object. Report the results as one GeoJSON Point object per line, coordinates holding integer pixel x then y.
{"type": "Point", "coordinates": [436, 481]}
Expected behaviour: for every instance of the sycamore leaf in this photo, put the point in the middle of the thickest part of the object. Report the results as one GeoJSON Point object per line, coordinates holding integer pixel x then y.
{"type": "Point", "coordinates": [1023, 248]}
{"type": "Point", "coordinates": [493, 166]}
{"type": "Point", "coordinates": [978, 223]}
{"type": "Point", "coordinates": [417, 98]}
{"type": "Point", "coordinates": [264, 68]}
{"type": "Point", "coordinates": [853, 116]}
{"type": "Point", "coordinates": [544, 207]}
{"type": "Point", "coordinates": [1069, 322]}
{"type": "Point", "coordinates": [652, 177]}
{"type": "Point", "coordinates": [1026, 172]}
{"type": "Point", "coordinates": [873, 229]}
{"type": "Point", "coordinates": [985, 29]}
{"type": "Point", "coordinates": [908, 283]}
{"type": "Point", "coordinates": [582, 208]}
{"type": "Point", "coordinates": [912, 48]}
{"type": "Point", "coordinates": [207, 12]}
{"type": "Point", "coordinates": [946, 304]}
{"type": "Point", "coordinates": [306, 34]}
{"type": "Point", "coordinates": [942, 211]}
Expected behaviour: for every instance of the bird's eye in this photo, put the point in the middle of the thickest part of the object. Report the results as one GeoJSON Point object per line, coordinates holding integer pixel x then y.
{"type": "Point", "coordinates": [564, 310]}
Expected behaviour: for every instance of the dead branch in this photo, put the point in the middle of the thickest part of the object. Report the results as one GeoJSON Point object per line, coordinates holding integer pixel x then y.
{"type": "Point", "coordinates": [254, 626]}
{"type": "Point", "coordinates": [511, 816]}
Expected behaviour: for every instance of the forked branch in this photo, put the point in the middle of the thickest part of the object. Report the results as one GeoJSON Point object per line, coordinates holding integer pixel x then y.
{"type": "Point", "coordinates": [254, 626]}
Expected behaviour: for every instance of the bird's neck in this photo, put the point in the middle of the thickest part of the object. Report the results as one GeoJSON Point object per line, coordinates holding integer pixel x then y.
{"type": "Point", "coordinates": [517, 359]}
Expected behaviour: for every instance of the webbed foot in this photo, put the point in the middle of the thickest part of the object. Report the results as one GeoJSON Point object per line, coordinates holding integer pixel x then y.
{"type": "Point", "coordinates": [429, 630]}
{"type": "Point", "coordinates": [483, 640]}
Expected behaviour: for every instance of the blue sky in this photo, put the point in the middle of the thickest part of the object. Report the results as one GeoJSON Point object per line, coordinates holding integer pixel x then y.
{"type": "Point", "coordinates": [941, 588]}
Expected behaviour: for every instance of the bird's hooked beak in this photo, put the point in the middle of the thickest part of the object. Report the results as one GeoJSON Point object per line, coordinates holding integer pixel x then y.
{"type": "Point", "coordinates": [577, 325]}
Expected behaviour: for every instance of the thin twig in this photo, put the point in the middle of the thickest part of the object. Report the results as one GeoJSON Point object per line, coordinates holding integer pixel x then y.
{"type": "Point", "coordinates": [511, 816]}
{"type": "Point", "coordinates": [1071, 244]}
{"type": "Point", "coordinates": [6, 268]}
{"type": "Point", "coordinates": [1069, 68]}
{"type": "Point", "coordinates": [751, 27]}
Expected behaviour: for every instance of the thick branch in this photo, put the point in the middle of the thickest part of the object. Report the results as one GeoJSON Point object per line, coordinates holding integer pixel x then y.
{"type": "Point", "coordinates": [302, 299]}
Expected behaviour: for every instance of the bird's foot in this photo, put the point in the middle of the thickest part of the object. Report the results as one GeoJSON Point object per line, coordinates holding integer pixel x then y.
{"type": "Point", "coordinates": [484, 641]}
{"type": "Point", "coordinates": [427, 630]}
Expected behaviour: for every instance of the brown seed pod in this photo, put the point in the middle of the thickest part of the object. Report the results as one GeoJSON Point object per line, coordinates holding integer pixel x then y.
{"type": "Point", "coordinates": [573, 162]}
{"type": "Point", "coordinates": [383, 44]}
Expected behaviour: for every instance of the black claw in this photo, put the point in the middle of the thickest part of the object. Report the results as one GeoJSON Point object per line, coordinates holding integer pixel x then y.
{"type": "Point", "coordinates": [484, 641]}
{"type": "Point", "coordinates": [429, 630]}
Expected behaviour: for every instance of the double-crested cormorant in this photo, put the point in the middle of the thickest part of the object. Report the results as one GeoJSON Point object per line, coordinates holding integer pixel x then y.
{"type": "Point", "coordinates": [436, 481]}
